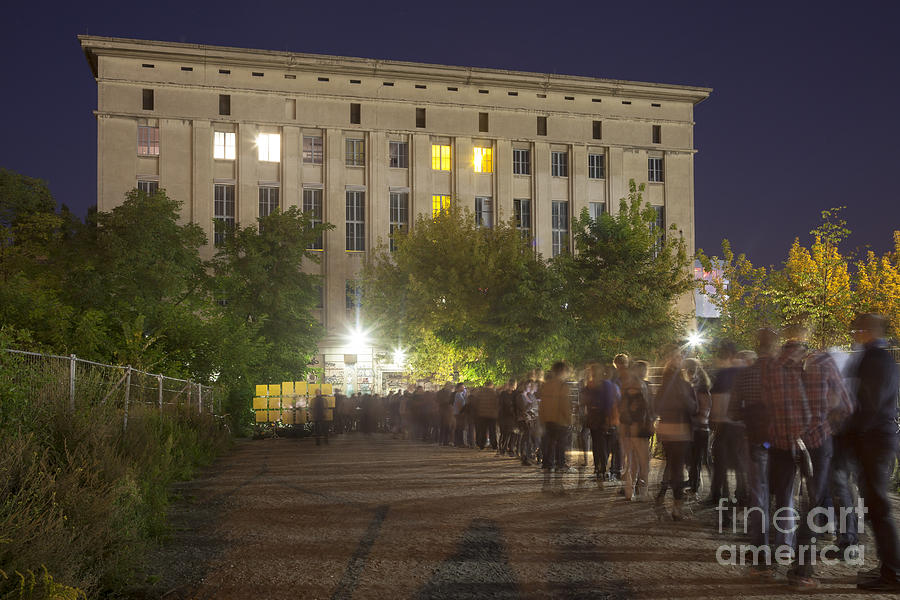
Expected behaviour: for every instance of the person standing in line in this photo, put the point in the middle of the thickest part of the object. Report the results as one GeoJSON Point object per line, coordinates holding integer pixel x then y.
{"type": "Point", "coordinates": [506, 417]}
{"type": "Point", "coordinates": [699, 457]}
{"type": "Point", "coordinates": [555, 413]}
{"type": "Point", "coordinates": [600, 398]}
{"type": "Point", "coordinates": [317, 412]}
{"type": "Point", "coordinates": [524, 404]}
{"type": "Point", "coordinates": [872, 434]}
{"type": "Point", "coordinates": [486, 408]}
{"type": "Point", "coordinates": [621, 370]}
{"type": "Point", "coordinates": [459, 417]}
{"type": "Point", "coordinates": [636, 420]}
{"type": "Point", "coordinates": [727, 433]}
{"type": "Point", "coordinates": [677, 407]}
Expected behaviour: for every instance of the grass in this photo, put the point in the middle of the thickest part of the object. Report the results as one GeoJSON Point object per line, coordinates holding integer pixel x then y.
{"type": "Point", "coordinates": [81, 500]}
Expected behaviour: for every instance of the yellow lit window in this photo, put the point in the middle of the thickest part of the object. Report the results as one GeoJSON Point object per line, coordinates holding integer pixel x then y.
{"type": "Point", "coordinates": [438, 204]}
{"type": "Point", "coordinates": [440, 157]}
{"type": "Point", "coordinates": [484, 162]}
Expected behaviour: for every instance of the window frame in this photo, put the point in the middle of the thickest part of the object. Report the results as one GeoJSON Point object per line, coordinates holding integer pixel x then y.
{"type": "Point", "coordinates": [398, 215]}
{"type": "Point", "coordinates": [483, 156]}
{"type": "Point", "coordinates": [559, 227]}
{"type": "Point", "coordinates": [439, 203]}
{"type": "Point", "coordinates": [267, 145]}
{"type": "Point", "coordinates": [148, 140]}
{"type": "Point", "coordinates": [224, 146]}
{"type": "Point", "coordinates": [592, 213]}
{"type": "Point", "coordinates": [355, 152]}
{"type": "Point", "coordinates": [147, 186]}
{"type": "Point", "coordinates": [223, 222]}
{"type": "Point", "coordinates": [484, 207]}
{"type": "Point", "coordinates": [308, 155]}
{"type": "Point", "coordinates": [313, 205]}
{"type": "Point", "coordinates": [441, 155]}
{"type": "Point", "coordinates": [518, 163]}
{"type": "Point", "coordinates": [518, 214]}
{"type": "Point", "coordinates": [596, 168]}
{"type": "Point", "coordinates": [656, 169]}
{"type": "Point", "coordinates": [401, 159]}
{"type": "Point", "coordinates": [559, 163]}
{"type": "Point", "coordinates": [355, 220]}
{"type": "Point", "coordinates": [267, 204]}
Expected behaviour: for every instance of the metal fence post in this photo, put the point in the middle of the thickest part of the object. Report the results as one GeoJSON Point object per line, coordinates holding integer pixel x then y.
{"type": "Point", "coordinates": [127, 395]}
{"type": "Point", "coordinates": [72, 363]}
{"type": "Point", "coordinates": [159, 379]}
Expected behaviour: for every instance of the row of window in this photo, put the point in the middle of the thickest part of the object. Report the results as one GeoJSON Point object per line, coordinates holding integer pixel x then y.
{"type": "Point", "coordinates": [269, 150]}
{"type": "Point", "coordinates": [148, 104]}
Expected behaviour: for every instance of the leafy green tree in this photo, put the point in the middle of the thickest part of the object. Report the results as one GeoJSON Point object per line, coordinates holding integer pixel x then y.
{"type": "Point", "coordinates": [462, 295]}
{"type": "Point", "coordinates": [622, 282]}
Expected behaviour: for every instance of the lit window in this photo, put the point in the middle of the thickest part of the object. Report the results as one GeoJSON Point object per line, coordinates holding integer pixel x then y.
{"type": "Point", "coordinates": [521, 161]}
{"type": "Point", "coordinates": [559, 164]}
{"type": "Point", "coordinates": [223, 145]}
{"type": "Point", "coordinates": [148, 186]}
{"type": "Point", "coordinates": [312, 206]}
{"type": "Point", "coordinates": [312, 149]}
{"type": "Point", "coordinates": [356, 221]}
{"type": "Point", "coordinates": [596, 209]}
{"type": "Point", "coordinates": [399, 215]}
{"type": "Point", "coordinates": [356, 153]}
{"type": "Point", "coordinates": [484, 160]}
{"type": "Point", "coordinates": [559, 227]}
{"type": "Point", "coordinates": [268, 201]}
{"type": "Point", "coordinates": [595, 166]}
{"type": "Point", "coordinates": [399, 154]}
{"type": "Point", "coordinates": [269, 145]}
{"type": "Point", "coordinates": [148, 141]}
{"type": "Point", "coordinates": [438, 204]}
{"type": "Point", "coordinates": [223, 215]}
{"type": "Point", "coordinates": [440, 157]}
{"type": "Point", "coordinates": [484, 213]}
{"type": "Point", "coordinates": [655, 169]}
{"type": "Point", "coordinates": [522, 214]}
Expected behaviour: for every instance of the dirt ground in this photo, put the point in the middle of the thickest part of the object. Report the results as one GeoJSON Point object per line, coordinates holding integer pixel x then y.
{"type": "Point", "coordinates": [374, 517]}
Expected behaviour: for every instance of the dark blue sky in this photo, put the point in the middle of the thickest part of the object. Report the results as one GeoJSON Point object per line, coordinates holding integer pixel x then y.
{"type": "Point", "coordinates": [804, 114]}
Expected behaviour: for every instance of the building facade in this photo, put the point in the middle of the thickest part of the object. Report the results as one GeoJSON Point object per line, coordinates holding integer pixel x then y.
{"type": "Point", "coordinates": [369, 144]}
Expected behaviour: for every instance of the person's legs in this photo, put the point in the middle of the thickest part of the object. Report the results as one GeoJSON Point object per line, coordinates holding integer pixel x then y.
{"type": "Point", "coordinates": [719, 484]}
{"type": "Point", "coordinates": [758, 517]}
{"type": "Point", "coordinates": [615, 449]}
{"type": "Point", "coordinates": [598, 446]}
{"type": "Point", "coordinates": [876, 453]}
{"type": "Point", "coordinates": [842, 465]}
{"type": "Point", "coordinates": [641, 456]}
{"type": "Point", "coordinates": [782, 473]}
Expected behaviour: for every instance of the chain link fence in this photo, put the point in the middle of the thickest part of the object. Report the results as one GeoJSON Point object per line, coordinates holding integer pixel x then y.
{"type": "Point", "coordinates": [47, 378]}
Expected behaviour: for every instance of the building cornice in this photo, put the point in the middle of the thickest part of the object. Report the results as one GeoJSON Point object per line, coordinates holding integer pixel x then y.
{"type": "Point", "coordinates": [94, 46]}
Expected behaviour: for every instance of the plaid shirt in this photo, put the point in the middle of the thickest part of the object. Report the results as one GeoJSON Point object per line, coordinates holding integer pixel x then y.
{"type": "Point", "coordinates": [747, 402]}
{"type": "Point", "coordinates": [824, 386]}
{"type": "Point", "coordinates": [784, 397]}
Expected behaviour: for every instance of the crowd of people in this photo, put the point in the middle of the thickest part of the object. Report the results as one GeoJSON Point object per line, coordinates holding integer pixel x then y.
{"type": "Point", "coordinates": [767, 419]}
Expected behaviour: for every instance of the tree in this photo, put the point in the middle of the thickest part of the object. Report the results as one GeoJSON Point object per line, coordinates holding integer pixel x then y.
{"type": "Point", "coordinates": [622, 282]}
{"type": "Point", "coordinates": [878, 285]}
{"type": "Point", "coordinates": [741, 295]}
{"type": "Point", "coordinates": [814, 286]}
{"type": "Point", "coordinates": [480, 297]}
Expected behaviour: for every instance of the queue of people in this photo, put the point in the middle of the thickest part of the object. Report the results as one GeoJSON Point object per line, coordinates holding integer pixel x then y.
{"type": "Point", "coordinates": [765, 419]}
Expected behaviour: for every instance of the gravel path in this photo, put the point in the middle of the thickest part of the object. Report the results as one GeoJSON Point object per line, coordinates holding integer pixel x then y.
{"type": "Point", "coordinates": [373, 517]}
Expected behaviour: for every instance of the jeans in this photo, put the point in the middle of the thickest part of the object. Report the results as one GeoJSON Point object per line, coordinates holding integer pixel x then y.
{"type": "Point", "coordinates": [604, 441]}
{"type": "Point", "coordinates": [676, 455]}
{"type": "Point", "coordinates": [729, 451]}
{"type": "Point", "coordinates": [817, 490]}
{"type": "Point", "coordinates": [876, 452]}
{"type": "Point", "coordinates": [699, 457]}
{"type": "Point", "coordinates": [778, 468]}
{"type": "Point", "coordinates": [554, 445]}
{"type": "Point", "coordinates": [843, 465]}
{"type": "Point", "coordinates": [484, 427]}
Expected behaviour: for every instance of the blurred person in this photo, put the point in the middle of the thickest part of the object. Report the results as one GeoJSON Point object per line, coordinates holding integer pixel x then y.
{"type": "Point", "coordinates": [872, 434]}
{"type": "Point", "coordinates": [676, 406]}
{"type": "Point", "coordinates": [525, 420]}
{"type": "Point", "coordinates": [444, 399]}
{"type": "Point", "coordinates": [459, 417]}
{"type": "Point", "coordinates": [506, 417]}
{"type": "Point", "coordinates": [727, 428]}
{"type": "Point", "coordinates": [486, 407]}
{"type": "Point", "coordinates": [600, 398]}
{"type": "Point", "coordinates": [555, 414]}
{"type": "Point", "coordinates": [317, 412]}
{"type": "Point", "coordinates": [636, 424]}
{"type": "Point", "coordinates": [699, 456]}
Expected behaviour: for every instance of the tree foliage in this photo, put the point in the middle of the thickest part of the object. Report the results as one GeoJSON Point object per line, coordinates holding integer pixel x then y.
{"type": "Point", "coordinates": [878, 284]}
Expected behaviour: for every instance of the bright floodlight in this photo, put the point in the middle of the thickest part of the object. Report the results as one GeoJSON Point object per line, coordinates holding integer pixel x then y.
{"type": "Point", "coordinates": [695, 339]}
{"type": "Point", "coordinates": [399, 356]}
{"type": "Point", "coordinates": [358, 340]}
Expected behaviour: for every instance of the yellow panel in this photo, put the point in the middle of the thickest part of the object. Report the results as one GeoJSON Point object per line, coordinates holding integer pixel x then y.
{"type": "Point", "coordinates": [287, 388]}
{"type": "Point", "coordinates": [274, 415]}
{"type": "Point", "coordinates": [259, 402]}
{"type": "Point", "coordinates": [313, 388]}
{"type": "Point", "coordinates": [261, 416]}
{"type": "Point", "coordinates": [326, 389]}
{"type": "Point", "coordinates": [329, 401]}
{"type": "Point", "coordinates": [262, 390]}
{"type": "Point", "coordinates": [274, 402]}
{"type": "Point", "coordinates": [300, 387]}
{"type": "Point", "coordinates": [274, 390]}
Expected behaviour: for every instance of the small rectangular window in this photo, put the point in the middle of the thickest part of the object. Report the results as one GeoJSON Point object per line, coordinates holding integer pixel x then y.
{"type": "Point", "coordinates": [559, 164]}
{"type": "Point", "coordinates": [355, 81]}
{"type": "Point", "coordinates": [224, 104]}
{"type": "Point", "coordinates": [269, 147]}
{"type": "Point", "coordinates": [224, 71]}
{"type": "Point", "coordinates": [420, 117]}
{"type": "Point", "coordinates": [542, 125]}
{"type": "Point", "coordinates": [569, 97]}
{"type": "Point", "coordinates": [542, 95]}
{"type": "Point", "coordinates": [399, 216]}
{"type": "Point", "coordinates": [657, 134]}
{"type": "Point", "coordinates": [356, 221]}
{"type": "Point", "coordinates": [626, 101]}
{"type": "Point", "coordinates": [356, 153]}
{"type": "Point", "coordinates": [224, 145]}
{"type": "Point", "coordinates": [597, 130]}
{"type": "Point", "coordinates": [521, 161]}
{"type": "Point", "coordinates": [287, 76]}
{"type": "Point", "coordinates": [147, 99]}
{"type": "Point", "coordinates": [312, 149]}
{"type": "Point", "coordinates": [388, 84]}
{"type": "Point", "coordinates": [440, 157]}
{"type": "Point", "coordinates": [655, 169]}
{"type": "Point", "coordinates": [596, 166]}
{"type": "Point", "coordinates": [268, 200]}
{"type": "Point", "coordinates": [312, 206]}
{"type": "Point", "coordinates": [484, 160]}
{"type": "Point", "coordinates": [260, 74]}
{"type": "Point", "coordinates": [483, 92]}
{"type": "Point", "coordinates": [484, 212]}
{"type": "Point", "coordinates": [596, 100]}
{"type": "Point", "coordinates": [439, 204]}
{"type": "Point", "coordinates": [323, 79]}
{"type": "Point", "coordinates": [482, 122]}
{"type": "Point", "coordinates": [512, 93]}
{"type": "Point", "coordinates": [148, 141]}
{"type": "Point", "coordinates": [148, 66]}
{"type": "Point", "coordinates": [223, 213]}
{"type": "Point", "coordinates": [148, 187]}
{"type": "Point", "coordinates": [655, 105]}
{"type": "Point", "coordinates": [187, 68]}
{"type": "Point", "coordinates": [355, 116]}
{"type": "Point", "coordinates": [420, 86]}
{"type": "Point", "coordinates": [399, 155]}
{"type": "Point", "coordinates": [452, 89]}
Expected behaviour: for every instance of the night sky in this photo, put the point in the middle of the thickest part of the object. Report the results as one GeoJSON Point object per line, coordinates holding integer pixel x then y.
{"type": "Point", "coordinates": [803, 115]}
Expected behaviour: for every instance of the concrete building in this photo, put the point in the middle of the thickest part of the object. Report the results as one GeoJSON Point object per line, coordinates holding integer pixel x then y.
{"type": "Point", "coordinates": [369, 144]}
